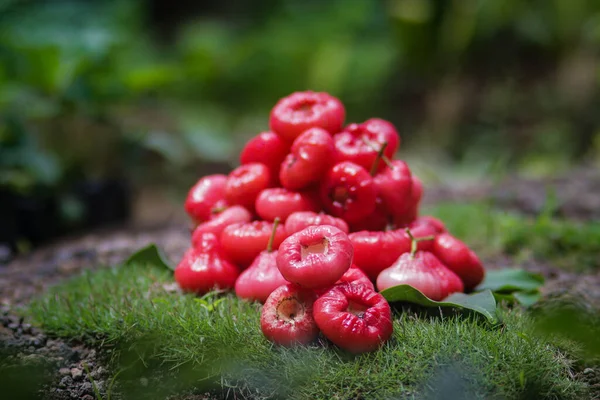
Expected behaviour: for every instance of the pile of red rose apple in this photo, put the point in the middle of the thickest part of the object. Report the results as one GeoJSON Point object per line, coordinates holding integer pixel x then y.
{"type": "Point", "coordinates": [314, 215]}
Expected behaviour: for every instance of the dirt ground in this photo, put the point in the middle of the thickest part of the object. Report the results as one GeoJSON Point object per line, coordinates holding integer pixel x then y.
{"type": "Point", "coordinates": [72, 365]}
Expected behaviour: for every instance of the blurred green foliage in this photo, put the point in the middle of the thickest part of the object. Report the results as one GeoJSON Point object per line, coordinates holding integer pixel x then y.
{"type": "Point", "coordinates": [94, 89]}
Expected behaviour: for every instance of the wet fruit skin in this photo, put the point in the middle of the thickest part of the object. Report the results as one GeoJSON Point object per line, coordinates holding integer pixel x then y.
{"type": "Point", "coordinates": [300, 220]}
{"type": "Point", "coordinates": [424, 272]}
{"type": "Point", "coordinates": [354, 317]}
{"type": "Point", "coordinates": [432, 222]}
{"type": "Point", "coordinates": [245, 183]}
{"type": "Point", "coordinates": [356, 276]}
{"type": "Point", "coordinates": [260, 279]}
{"type": "Point", "coordinates": [216, 225]}
{"type": "Point", "coordinates": [378, 220]}
{"type": "Point", "coordinates": [204, 267]}
{"type": "Point", "coordinates": [294, 114]}
{"type": "Point", "coordinates": [310, 156]}
{"type": "Point", "coordinates": [348, 192]}
{"type": "Point", "coordinates": [350, 143]}
{"type": "Point", "coordinates": [206, 197]}
{"type": "Point", "coordinates": [266, 148]}
{"type": "Point", "coordinates": [459, 258]}
{"type": "Point", "coordinates": [315, 257]}
{"type": "Point", "coordinates": [287, 316]}
{"type": "Point", "coordinates": [242, 242]}
{"type": "Point", "coordinates": [394, 186]}
{"type": "Point", "coordinates": [279, 202]}
{"type": "Point", "coordinates": [415, 200]}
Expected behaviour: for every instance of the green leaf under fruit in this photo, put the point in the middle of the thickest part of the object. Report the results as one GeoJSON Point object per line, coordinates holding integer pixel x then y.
{"type": "Point", "coordinates": [511, 280]}
{"type": "Point", "coordinates": [482, 303]}
{"type": "Point", "coordinates": [150, 254]}
{"type": "Point", "coordinates": [527, 299]}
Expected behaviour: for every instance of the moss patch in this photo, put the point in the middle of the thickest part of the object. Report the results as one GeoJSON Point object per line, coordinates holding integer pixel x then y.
{"type": "Point", "coordinates": [215, 343]}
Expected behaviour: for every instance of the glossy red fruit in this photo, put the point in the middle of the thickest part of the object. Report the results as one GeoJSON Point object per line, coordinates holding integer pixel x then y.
{"type": "Point", "coordinates": [220, 221]}
{"type": "Point", "coordinates": [360, 143]}
{"type": "Point", "coordinates": [204, 267]}
{"type": "Point", "coordinates": [287, 316]}
{"type": "Point", "coordinates": [315, 257]}
{"type": "Point", "coordinates": [376, 251]}
{"type": "Point", "coordinates": [354, 317]}
{"type": "Point", "coordinates": [356, 276]}
{"type": "Point", "coordinates": [242, 243]}
{"type": "Point", "coordinates": [459, 258]}
{"type": "Point", "coordinates": [394, 186]}
{"type": "Point", "coordinates": [376, 221]}
{"type": "Point", "coordinates": [206, 197]}
{"type": "Point", "coordinates": [424, 272]}
{"type": "Point", "coordinates": [300, 111]}
{"type": "Point", "coordinates": [347, 191]}
{"type": "Point", "coordinates": [303, 219]}
{"type": "Point", "coordinates": [245, 183]}
{"type": "Point", "coordinates": [427, 220]}
{"type": "Point", "coordinates": [260, 279]}
{"type": "Point", "coordinates": [420, 232]}
{"type": "Point", "coordinates": [415, 200]}
{"type": "Point", "coordinates": [279, 202]}
{"type": "Point", "coordinates": [309, 158]}
{"type": "Point", "coordinates": [267, 148]}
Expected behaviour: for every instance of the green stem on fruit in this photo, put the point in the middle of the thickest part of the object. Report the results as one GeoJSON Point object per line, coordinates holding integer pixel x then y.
{"type": "Point", "coordinates": [272, 238]}
{"type": "Point", "coordinates": [415, 241]}
{"type": "Point", "coordinates": [385, 159]}
{"type": "Point", "coordinates": [376, 162]}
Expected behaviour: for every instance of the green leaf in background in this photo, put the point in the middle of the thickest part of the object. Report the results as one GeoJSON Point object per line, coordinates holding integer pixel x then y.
{"type": "Point", "coordinates": [511, 280]}
{"type": "Point", "coordinates": [482, 303]}
{"type": "Point", "coordinates": [527, 299]}
{"type": "Point", "coordinates": [150, 254]}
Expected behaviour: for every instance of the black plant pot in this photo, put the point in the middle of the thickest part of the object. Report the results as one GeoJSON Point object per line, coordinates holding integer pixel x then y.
{"type": "Point", "coordinates": [105, 202]}
{"type": "Point", "coordinates": [37, 218]}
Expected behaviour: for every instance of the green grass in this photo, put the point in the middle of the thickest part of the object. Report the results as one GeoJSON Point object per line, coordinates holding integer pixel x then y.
{"type": "Point", "coordinates": [490, 231]}
{"type": "Point", "coordinates": [215, 343]}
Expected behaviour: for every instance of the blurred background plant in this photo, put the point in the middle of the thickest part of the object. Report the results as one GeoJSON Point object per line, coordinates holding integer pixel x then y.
{"type": "Point", "coordinates": [157, 93]}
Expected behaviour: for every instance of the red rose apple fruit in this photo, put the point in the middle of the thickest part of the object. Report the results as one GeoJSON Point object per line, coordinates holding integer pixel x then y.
{"type": "Point", "coordinates": [309, 158]}
{"type": "Point", "coordinates": [287, 316]}
{"type": "Point", "coordinates": [245, 183]}
{"type": "Point", "coordinates": [242, 242]}
{"type": "Point", "coordinates": [378, 220]}
{"type": "Point", "coordinates": [459, 258]}
{"type": "Point", "coordinates": [360, 143]}
{"type": "Point", "coordinates": [354, 317]}
{"type": "Point", "coordinates": [348, 192]}
{"type": "Point", "coordinates": [279, 202]}
{"type": "Point", "coordinates": [259, 280]}
{"type": "Point", "coordinates": [220, 221]}
{"type": "Point", "coordinates": [303, 219]}
{"type": "Point", "coordinates": [428, 221]}
{"type": "Point", "coordinates": [394, 186]}
{"type": "Point", "coordinates": [300, 111]}
{"type": "Point", "coordinates": [415, 200]}
{"type": "Point", "coordinates": [204, 267]}
{"type": "Point", "coordinates": [423, 271]}
{"type": "Point", "coordinates": [356, 276]}
{"type": "Point", "coordinates": [206, 197]}
{"type": "Point", "coordinates": [375, 251]}
{"type": "Point", "coordinates": [315, 257]}
{"type": "Point", "coordinates": [267, 148]}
